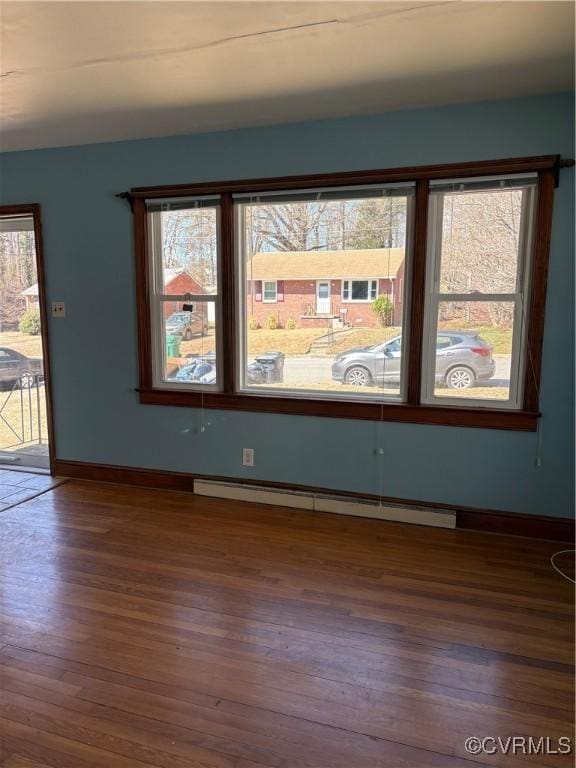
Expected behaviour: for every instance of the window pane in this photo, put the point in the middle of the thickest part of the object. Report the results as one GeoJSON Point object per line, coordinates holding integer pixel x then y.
{"type": "Point", "coordinates": [330, 260]}
{"type": "Point", "coordinates": [189, 344]}
{"type": "Point", "coordinates": [185, 245]}
{"type": "Point", "coordinates": [359, 290]}
{"type": "Point", "coordinates": [269, 291]}
{"type": "Point", "coordinates": [474, 350]}
{"type": "Point", "coordinates": [480, 236]}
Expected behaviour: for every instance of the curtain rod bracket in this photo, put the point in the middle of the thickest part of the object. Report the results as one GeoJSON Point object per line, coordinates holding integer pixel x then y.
{"type": "Point", "coordinates": [563, 162]}
{"type": "Point", "coordinates": [128, 197]}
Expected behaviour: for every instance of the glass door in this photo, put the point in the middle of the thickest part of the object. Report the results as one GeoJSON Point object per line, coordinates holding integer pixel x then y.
{"type": "Point", "coordinates": [23, 405]}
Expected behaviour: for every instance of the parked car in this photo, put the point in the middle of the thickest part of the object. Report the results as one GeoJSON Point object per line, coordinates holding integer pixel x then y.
{"type": "Point", "coordinates": [201, 370]}
{"type": "Point", "coordinates": [16, 367]}
{"type": "Point", "coordinates": [187, 324]}
{"type": "Point", "coordinates": [463, 359]}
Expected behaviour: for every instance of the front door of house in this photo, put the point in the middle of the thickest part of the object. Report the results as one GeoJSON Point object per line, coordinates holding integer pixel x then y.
{"type": "Point", "coordinates": [322, 297]}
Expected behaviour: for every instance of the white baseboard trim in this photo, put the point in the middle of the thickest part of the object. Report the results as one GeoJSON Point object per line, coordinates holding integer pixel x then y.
{"type": "Point", "coordinates": [324, 503]}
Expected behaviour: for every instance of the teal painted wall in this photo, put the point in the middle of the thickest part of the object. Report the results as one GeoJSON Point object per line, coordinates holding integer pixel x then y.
{"type": "Point", "coordinates": [90, 266]}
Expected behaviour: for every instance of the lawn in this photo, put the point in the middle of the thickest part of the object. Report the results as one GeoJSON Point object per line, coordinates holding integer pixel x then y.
{"type": "Point", "coordinates": [21, 402]}
{"type": "Point", "coordinates": [31, 346]}
{"type": "Point", "coordinates": [298, 341]}
{"type": "Point", "coordinates": [501, 339]}
{"type": "Point", "coordinates": [476, 393]}
{"type": "Point", "coordinates": [19, 408]}
{"type": "Point", "coordinates": [361, 337]}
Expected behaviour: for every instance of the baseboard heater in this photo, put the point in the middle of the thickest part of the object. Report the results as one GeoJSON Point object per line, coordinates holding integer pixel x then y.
{"type": "Point", "coordinates": [314, 502]}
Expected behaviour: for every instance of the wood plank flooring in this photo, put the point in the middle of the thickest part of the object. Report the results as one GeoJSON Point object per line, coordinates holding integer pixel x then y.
{"type": "Point", "coordinates": [144, 628]}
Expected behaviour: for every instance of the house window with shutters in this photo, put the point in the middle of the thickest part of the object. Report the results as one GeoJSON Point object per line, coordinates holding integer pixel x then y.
{"type": "Point", "coordinates": [270, 292]}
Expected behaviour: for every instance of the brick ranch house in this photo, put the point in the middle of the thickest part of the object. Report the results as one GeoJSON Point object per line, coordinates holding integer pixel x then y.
{"type": "Point", "coordinates": [320, 289]}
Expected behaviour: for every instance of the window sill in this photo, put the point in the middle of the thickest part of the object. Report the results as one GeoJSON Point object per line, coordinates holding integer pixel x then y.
{"type": "Point", "coordinates": [484, 418]}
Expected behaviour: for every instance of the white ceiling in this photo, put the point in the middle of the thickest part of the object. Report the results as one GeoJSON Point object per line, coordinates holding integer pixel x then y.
{"type": "Point", "coordinates": [81, 72]}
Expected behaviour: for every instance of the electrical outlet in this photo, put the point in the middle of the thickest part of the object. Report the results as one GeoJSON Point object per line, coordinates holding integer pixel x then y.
{"type": "Point", "coordinates": [248, 457]}
{"type": "Point", "coordinates": [58, 309]}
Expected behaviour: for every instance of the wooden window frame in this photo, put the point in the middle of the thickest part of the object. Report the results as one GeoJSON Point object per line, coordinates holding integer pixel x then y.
{"type": "Point", "coordinates": [412, 410]}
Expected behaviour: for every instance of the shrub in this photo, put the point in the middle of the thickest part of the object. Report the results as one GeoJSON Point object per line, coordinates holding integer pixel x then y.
{"type": "Point", "coordinates": [30, 322]}
{"type": "Point", "coordinates": [253, 324]}
{"type": "Point", "coordinates": [383, 308]}
{"type": "Point", "coordinates": [272, 323]}
{"type": "Point", "coordinates": [290, 324]}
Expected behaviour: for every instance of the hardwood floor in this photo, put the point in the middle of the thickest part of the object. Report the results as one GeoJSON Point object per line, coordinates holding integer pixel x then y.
{"type": "Point", "coordinates": [154, 628]}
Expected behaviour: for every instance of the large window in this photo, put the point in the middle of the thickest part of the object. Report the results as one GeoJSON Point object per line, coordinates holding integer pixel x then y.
{"type": "Point", "coordinates": [184, 297]}
{"type": "Point", "coordinates": [359, 290]}
{"type": "Point", "coordinates": [328, 328]}
{"type": "Point", "coordinates": [477, 285]}
{"type": "Point", "coordinates": [409, 295]}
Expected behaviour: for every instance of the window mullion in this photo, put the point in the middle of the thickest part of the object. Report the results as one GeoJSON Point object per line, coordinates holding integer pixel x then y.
{"type": "Point", "coordinates": [156, 322]}
{"type": "Point", "coordinates": [417, 292]}
{"type": "Point", "coordinates": [477, 296]}
{"type": "Point", "coordinates": [183, 297]}
{"type": "Point", "coordinates": [228, 292]}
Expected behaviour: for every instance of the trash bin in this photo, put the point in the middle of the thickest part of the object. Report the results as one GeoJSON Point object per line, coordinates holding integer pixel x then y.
{"type": "Point", "coordinates": [273, 365]}
{"type": "Point", "coordinates": [173, 346]}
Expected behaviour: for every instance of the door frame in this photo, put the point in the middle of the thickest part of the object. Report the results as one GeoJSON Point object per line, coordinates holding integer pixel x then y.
{"type": "Point", "coordinates": [34, 210]}
{"type": "Point", "coordinates": [328, 282]}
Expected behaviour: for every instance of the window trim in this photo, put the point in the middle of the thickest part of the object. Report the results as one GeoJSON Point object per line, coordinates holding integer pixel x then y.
{"type": "Point", "coordinates": [156, 311]}
{"type": "Point", "coordinates": [275, 299]}
{"type": "Point", "coordinates": [435, 297]}
{"type": "Point", "coordinates": [410, 411]}
{"type": "Point", "coordinates": [350, 280]}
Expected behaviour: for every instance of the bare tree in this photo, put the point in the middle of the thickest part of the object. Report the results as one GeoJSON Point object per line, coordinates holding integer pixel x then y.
{"type": "Point", "coordinates": [326, 225]}
{"type": "Point", "coordinates": [480, 242]}
{"type": "Point", "coordinates": [189, 241]}
{"type": "Point", "coordinates": [379, 223]}
{"type": "Point", "coordinates": [17, 272]}
{"type": "Point", "coordinates": [287, 227]}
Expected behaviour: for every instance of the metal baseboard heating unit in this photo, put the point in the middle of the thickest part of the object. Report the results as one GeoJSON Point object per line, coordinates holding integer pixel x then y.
{"type": "Point", "coordinates": [339, 505]}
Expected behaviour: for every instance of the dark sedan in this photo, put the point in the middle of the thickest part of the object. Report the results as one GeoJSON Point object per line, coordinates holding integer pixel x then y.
{"type": "Point", "coordinates": [16, 367]}
{"type": "Point", "coordinates": [463, 359]}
